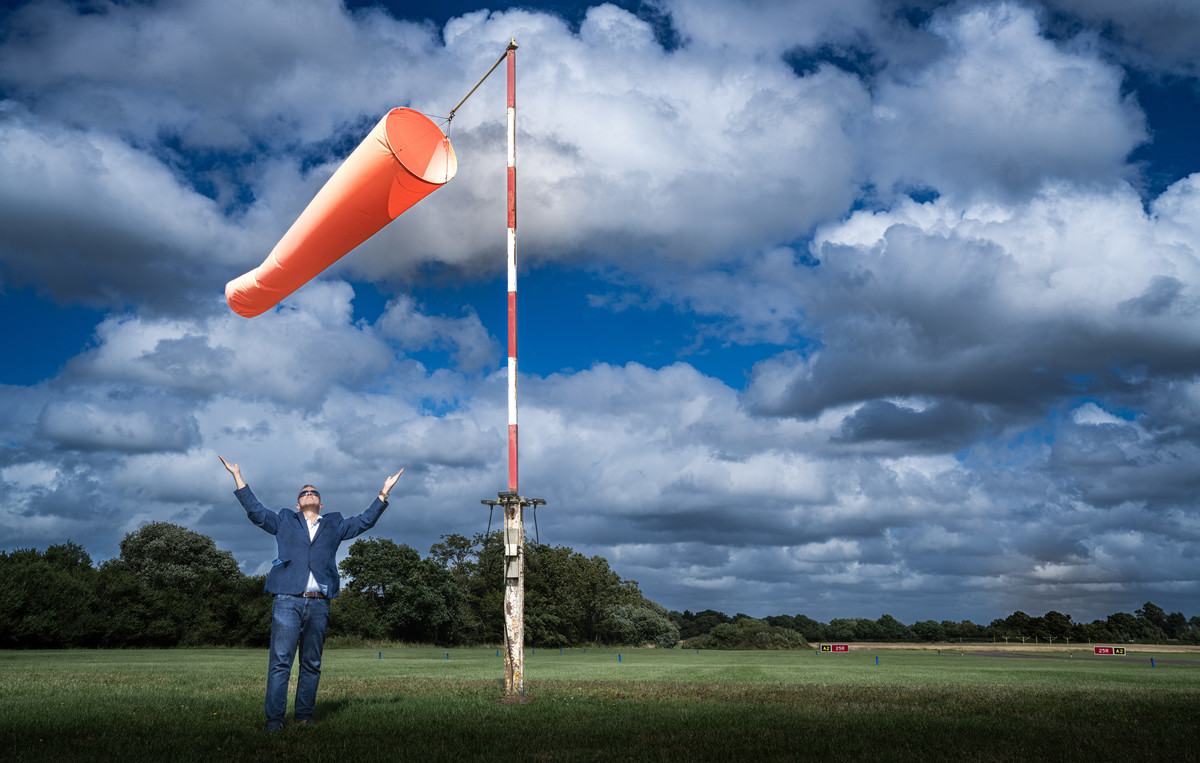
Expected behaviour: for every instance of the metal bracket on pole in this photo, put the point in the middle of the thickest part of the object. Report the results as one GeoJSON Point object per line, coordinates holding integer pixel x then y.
{"type": "Point", "coordinates": [513, 538]}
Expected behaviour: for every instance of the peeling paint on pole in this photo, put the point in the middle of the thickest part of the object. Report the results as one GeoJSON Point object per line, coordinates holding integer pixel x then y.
{"type": "Point", "coordinates": [513, 547]}
{"type": "Point", "coordinates": [514, 595]}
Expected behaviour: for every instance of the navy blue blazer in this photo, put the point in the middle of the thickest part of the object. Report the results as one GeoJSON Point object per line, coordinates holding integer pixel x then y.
{"type": "Point", "coordinates": [297, 554]}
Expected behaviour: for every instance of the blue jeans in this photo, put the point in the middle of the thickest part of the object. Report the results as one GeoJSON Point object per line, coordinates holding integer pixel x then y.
{"type": "Point", "coordinates": [296, 622]}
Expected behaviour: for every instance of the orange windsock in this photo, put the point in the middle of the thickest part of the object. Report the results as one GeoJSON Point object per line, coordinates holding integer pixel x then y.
{"type": "Point", "coordinates": [404, 159]}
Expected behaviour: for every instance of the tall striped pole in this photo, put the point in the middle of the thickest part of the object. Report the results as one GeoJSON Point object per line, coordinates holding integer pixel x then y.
{"type": "Point", "coordinates": [512, 502]}
{"type": "Point", "coordinates": [512, 267]}
{"type": "Point", "coordinates": [514, 526]}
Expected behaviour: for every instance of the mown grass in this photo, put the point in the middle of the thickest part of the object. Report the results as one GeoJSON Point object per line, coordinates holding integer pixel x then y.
{"type": "Point", "coordinates": [415, 704]}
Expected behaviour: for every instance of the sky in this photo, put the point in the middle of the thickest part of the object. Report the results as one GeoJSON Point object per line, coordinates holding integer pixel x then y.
{"type": "Point", "coordinates": [835, 307]}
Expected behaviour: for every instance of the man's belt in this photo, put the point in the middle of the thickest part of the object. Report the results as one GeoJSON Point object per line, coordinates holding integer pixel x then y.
{"type": "Point", "coordinates": [313, 595]}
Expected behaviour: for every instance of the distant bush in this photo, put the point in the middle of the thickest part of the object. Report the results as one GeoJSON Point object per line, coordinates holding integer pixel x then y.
{"type": "Point", "coordinates": [637, 626]}
{"type": "Point", "coordinates": [747, 633]}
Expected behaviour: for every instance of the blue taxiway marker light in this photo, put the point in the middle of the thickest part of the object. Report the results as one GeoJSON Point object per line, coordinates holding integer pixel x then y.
{"type": "Point", "coordinates": [447, 655]}
{"type": "Point", "coordinates": [618, 656]}
{"type": "Point", "coordinates": [381, 655]}
{"type": "Point", "coordinates": [1151, 662]}
{"type": "Point", "coordinates": [876, 660]}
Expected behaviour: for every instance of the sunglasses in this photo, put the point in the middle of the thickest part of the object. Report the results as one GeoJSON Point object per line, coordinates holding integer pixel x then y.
{"type": "Point", "coordinates": [308, 492]}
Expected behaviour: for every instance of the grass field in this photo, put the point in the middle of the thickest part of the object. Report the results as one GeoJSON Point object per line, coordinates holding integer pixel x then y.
{"type": "Point", "coordinates": [415, 704]}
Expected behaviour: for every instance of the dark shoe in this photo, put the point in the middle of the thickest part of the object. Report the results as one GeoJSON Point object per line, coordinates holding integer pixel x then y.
{"type": "Point", "coordinates": [273, 726]}
{"type": "Point", "coordinates": [306, 722]}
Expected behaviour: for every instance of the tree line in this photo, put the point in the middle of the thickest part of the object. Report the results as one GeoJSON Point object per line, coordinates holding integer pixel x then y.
{"type": "Point", "coordinates": [1149, 624]}
{"type": "Point", "coordinates": [171, 586]}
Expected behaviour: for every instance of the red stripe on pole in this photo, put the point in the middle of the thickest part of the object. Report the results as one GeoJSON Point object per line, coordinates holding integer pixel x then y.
{"type": "Point", "coordinates": [512, 324]}
{"type": "Point", "coordinates": [512, 458]}
{"type": "Point", "coordinates": [512, 197]}
{"type": "Point", "coordinates": [512, 78]}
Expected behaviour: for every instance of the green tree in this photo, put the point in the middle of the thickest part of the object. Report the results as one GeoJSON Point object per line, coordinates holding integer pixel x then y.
{"type": "Point", "coordinates": [165, 556]}
{"type": "Point", "coordinates": [569, 597]}
{"type": "Point", "coordinates": [1153, 621]}
{"type": "Point", "coordinates": [1098, 630]}
{"type": "Point", "coordinates": [456, 553]}
{"type": "Point", "coordinates": [355, 614]}
{"type": "Point", "coordinates": [1018, 624]}
{"type": "Point", "coordinates": [1193, 632]}
{"type": "Point", "coordinates": [249, 616]}
{"type": "Point", "coordinates": [1038, 629]}
{"type": "Point", "coordinates": [781, 621]}
{"type": "Point", "coordinates": [866, 629]}
{"type": "Point", "coordinates": [126, 610]}
{"type": "Point", "coordinates": [968, 629]}
{"type": "Point", "coordinates": [747, 633]}
{"type": "Point", "coordinates": [178, 567]}
{"type": "Point", "coordinates": [1058, 625]}
{"type": "Point", "coordinates": [50, 599]}
{"type": "Point", "coordinates": [1123, 626]}
{"type": "Point", "coordinates": [1177, 626]}
{"type": "Point", "coordinates": [842, 629]}
{"type": "Point", "coordinates": [416, 600]}
{"type": "Point", "coordinates": [812, 630]}
{"type": "Point", "coordinates": [892, 629]}
{"type": "Point", "coordinates": [477, 567]}
{"type": "Point", "coordinates": [68, 557]}
{"type": "Point", "coordinates": [929, 630]}
{"type": "Point", "coordinates": [703, 622]}
{"type": "Point", "coordinates": [639, 625]}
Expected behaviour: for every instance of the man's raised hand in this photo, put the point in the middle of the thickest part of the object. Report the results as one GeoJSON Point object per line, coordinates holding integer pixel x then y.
{"type": "Point", "coordinates": [389, 482]}
{"type": "Point", "coordinates": [236, 471]}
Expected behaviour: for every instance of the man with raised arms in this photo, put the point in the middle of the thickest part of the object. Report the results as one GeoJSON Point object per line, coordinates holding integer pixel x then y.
{"type": "Point", "coordinates": [303, 579]}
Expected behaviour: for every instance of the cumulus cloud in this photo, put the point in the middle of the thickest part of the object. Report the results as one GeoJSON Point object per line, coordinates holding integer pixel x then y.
{"type": "Point", "coordinates": [215, 76]}
{"type": "Point", "coordinates": [616, 159]}
{"type": "Point", "coordinates": [981, 392]}
{"type": "Point", "coordinates": [125, 426]}
{"type": "Point", "coordinates": [90, 218]}
{"type": "Point", "coordinates": [471, 347]}
{"type": "Point", "coordinates": [1161, 35]}
{"type": "Point", "coordinates": [1002, 110]}
{"type": "Point", "coordinates": [1010, 307]}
